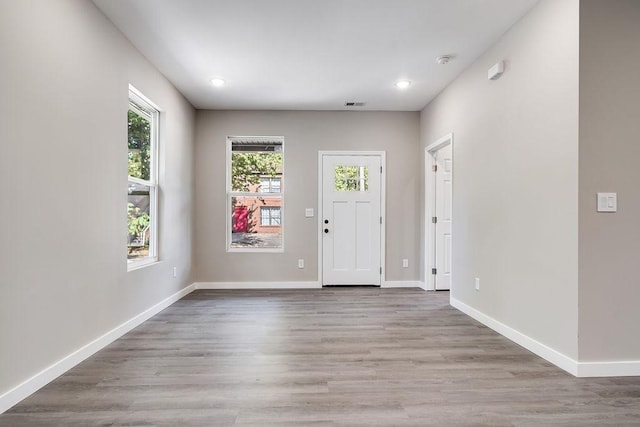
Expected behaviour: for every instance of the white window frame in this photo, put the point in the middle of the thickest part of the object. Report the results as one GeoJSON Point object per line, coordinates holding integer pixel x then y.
{"type": "Point", "coordinates": [231, 194]}
{"type": "Point", "coordinates": [141, 103]}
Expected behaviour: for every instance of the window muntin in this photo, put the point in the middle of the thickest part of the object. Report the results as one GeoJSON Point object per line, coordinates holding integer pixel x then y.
{"type": "Point", "coordinates": [254, 182]}
{"type": "Point", "coordinates": [142, 141]}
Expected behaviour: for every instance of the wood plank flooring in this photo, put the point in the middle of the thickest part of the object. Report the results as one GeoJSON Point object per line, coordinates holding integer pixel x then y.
{"type": "Point", "coordinates": [332, 356]}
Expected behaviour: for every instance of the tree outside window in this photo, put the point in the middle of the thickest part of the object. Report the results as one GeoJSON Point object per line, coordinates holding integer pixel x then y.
{"type": "Point", "coordinates": [256, 169]}
{"type": "Point", "coordinates": [142, 124]}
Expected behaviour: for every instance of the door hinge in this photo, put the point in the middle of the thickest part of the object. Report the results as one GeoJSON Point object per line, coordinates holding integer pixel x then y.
{"type": "Point", "coordinates": [380, 220]}
{"type": "Point", "coordinates": [381, 271]}
{"type": "Point", "coordinates": [434, 219]}
{"type": "Point", "coordinates": [434, 168]}
{"type": "Point", "coordinates": [380, 169]}
{"type": "Point", "coordinates": [434, 271]}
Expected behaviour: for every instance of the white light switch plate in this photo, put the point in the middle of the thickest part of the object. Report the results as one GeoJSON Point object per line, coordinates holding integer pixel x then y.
{"type": "Point", "coordinates": [607, 202]}
{"type": "Point", "coordinates": [308, 212]}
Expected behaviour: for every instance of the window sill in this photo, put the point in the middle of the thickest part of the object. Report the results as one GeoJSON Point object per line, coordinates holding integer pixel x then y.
{"type": "Point", "coordinates": [138, 264]}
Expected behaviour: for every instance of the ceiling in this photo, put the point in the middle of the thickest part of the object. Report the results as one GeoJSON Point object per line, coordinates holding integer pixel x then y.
{"type": "Point", "coordinates": [312, 54]}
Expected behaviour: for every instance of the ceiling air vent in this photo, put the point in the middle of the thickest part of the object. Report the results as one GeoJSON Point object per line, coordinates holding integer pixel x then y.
{"type": "Point", "coordinates": [354, 104]}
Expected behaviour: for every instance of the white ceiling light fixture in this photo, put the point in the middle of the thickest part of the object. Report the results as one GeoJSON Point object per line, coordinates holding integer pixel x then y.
{"type": "Point", "coordinates": [403, 84]}
{"type": "Point", "coordinates": [217, 82]}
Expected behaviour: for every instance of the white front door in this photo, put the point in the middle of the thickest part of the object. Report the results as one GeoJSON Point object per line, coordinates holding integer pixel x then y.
{"type": "Point", "coordinates": [443, 208]}
{"type": "Point", "coordinates": [351, 219]}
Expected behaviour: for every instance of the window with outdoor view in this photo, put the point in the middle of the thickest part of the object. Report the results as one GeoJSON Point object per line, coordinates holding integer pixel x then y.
{"type": "Point", "coordinates": [351, 178]}
{"type": "Point", "coordinates": [255, 193]}
{"type": "Point", "coordinates": [142, 119]}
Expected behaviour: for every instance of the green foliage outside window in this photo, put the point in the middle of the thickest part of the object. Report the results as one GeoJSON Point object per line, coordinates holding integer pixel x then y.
{"type": "Point", "coordinates": [138, 221]}
{"type": "Point", "coordinates": [252, 163]}
{"type": "Point", "coordinates": [351, 178]}
{"type": "Point", "coordinates": [139, 163]}
{"type": "Point", "coordinates": [139, 146]}
{"type": "Point", "coordinates": [247, 168]}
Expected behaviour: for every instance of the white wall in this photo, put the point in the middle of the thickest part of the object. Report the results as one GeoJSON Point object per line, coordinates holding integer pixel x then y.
{"type": "Point", "coordinates": [305, 133]}
{"type": "Point", "coordinates": [609, 162]}
{"type": "Point", "coordinates": [516, 177]}
{"type": "Point", "coordinates": [63, 106]}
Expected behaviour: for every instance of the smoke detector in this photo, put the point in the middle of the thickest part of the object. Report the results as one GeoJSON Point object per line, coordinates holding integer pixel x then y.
{"type": "Point", "coordinates": [444, 59]}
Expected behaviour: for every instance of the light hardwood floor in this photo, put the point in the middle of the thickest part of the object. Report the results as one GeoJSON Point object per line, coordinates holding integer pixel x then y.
{"type": "Point", "coordinates": [332, 356]}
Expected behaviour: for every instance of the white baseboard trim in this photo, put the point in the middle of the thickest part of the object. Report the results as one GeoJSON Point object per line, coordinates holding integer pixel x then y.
{"type": "Point", "coordinates": [609, 369]}
{"type": "Point", "coordinates": [44, 377]}
{"type": "Point", "coordinates": [547, 353]}
{"type": "Point", "coordinates": [401, 284]}
{"type": "Point", "coordinates": [624, 368]}
{"type": "Point", "coordinates": [293, 285]}
{"type": "Point", "coordinates": [257, 285]}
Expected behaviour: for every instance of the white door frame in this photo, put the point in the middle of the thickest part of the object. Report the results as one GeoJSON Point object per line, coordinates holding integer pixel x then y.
{"type": "Point", "coordinates": [383, 198]}
{"type": "Point", "coordinates": [429, 209]}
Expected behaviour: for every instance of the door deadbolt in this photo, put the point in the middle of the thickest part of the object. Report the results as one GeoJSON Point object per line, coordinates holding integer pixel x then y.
{"type": "Point", "coordinates": [326, 221]}
{"type": "Point", "coordinates": [326, 230]}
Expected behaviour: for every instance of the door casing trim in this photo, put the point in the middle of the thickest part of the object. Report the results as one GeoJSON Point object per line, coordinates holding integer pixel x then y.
{"type": "Point", "coordinates": [383, 206]}
{"type": "Point", "coordinates": [429, 212]}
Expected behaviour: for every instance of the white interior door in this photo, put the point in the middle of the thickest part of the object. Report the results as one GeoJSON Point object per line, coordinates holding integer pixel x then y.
{"type": "Point", "coordinates": [443, 209]}
{"type": "Point", "coordinates": [351, 219]}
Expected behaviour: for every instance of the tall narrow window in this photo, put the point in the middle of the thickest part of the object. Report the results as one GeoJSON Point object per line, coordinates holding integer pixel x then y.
{"type": "Point", "coordinates": [142, 187]}
{"type": "Point", "coordinates": [255, 193]}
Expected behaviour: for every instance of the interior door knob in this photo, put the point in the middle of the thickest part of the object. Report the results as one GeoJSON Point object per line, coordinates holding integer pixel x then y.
{"type": "Point", "coordinates": [326, 230]}
{"type": "Point", "coordinates": [326, 221]}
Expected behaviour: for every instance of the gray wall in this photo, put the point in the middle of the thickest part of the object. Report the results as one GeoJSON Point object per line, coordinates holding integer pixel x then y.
{"type": "Point", "coordinates": [515, 194]}
{"type": "Point", "coordinates": [63, 172]}
{"type": "Point", "coordinates": [609, 162]}
{"type": "Point", "coordinates": [305, 132]}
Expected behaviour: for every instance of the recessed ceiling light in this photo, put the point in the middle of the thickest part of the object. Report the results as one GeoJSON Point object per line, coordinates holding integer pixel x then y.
{"type": "Point", "coordinates": [217, 82]}
{"type": "Point", "coordinates": [403, 84]}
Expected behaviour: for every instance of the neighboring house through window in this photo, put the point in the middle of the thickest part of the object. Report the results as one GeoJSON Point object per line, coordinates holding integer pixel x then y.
{"type": "Point", "coordinates": [270, 184]}
{"type": "Point", "coordinates": [142, 200]}
{"type": "Point", "coordinates": [269, 216]}
{"type": "Point", "coordinates": [254, 193]}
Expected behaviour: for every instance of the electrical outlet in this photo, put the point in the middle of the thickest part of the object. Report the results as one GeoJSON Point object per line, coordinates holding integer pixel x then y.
{"type": "Point", "coordinates": [405, 263]}
{"type": "Point", "coordinates": [477, 283]}
{"type": "Point", "coordinates": [300, 263]}
{"type": "Point", "coordinates": [175, 271]}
